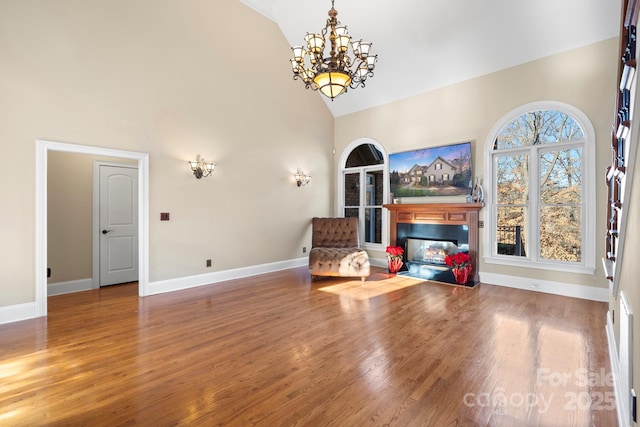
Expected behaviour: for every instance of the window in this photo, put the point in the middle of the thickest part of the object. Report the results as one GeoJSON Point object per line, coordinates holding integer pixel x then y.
{"type": "Point", "coordinates": [541, 163]}
{"type": "Point", "coordinates": [363, 189]}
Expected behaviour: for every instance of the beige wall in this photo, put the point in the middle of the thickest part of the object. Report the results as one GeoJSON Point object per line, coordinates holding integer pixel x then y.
{"type": "Point", "coordinates": [584, 78]}
{"type": "Point", "coordinates": [173, 81]}
{"type": "Point", "coordinates": [70, 216]}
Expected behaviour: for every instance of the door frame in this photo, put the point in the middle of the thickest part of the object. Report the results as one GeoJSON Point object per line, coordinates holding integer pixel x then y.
{"type": "Point", "coordinates": [42, 149]}
{"type": "Point", "coordinates": [96, 215]}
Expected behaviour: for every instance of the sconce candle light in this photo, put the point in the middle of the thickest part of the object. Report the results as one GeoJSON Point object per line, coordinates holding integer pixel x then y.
{"type": "Point", "coordinates": [201, 168]}
{"type": "Point", "coordinates": [301, 178]}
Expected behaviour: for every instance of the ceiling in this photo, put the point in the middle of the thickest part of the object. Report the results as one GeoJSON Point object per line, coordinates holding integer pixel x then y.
{"type": "Point", "coordinates": [426, 44]}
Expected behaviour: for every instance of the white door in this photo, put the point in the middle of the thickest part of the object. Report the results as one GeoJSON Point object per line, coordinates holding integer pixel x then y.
{"type": "Point", "coordinates": [118, 219]}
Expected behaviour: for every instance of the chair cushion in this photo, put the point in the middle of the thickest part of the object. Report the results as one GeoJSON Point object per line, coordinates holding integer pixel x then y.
{"type": "Point", "coordinates": [346, 262]}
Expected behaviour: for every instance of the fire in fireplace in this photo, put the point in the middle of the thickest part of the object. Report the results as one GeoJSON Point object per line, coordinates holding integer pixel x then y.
{"type": "Point", "coordinates": [428, 251]}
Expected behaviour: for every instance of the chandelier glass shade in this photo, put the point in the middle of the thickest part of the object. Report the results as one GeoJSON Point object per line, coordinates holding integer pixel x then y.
{"type": "Point", "coordinates": [343, 68]}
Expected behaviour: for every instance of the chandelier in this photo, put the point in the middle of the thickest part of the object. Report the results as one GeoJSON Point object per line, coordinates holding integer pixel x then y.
{"type": "Point", "coordinates": [332, 74]}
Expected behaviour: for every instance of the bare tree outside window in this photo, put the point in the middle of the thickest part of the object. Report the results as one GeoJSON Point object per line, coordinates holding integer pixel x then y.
{"type": "Point", "coordinates": [552, 187]}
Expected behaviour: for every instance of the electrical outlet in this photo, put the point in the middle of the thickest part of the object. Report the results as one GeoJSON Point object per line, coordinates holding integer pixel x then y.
{"type": "Point", "coordinates": [480, 224]}
{"type": "Point", "coordinates": [208, 263]}
{"type": "Point", "coordinates": [164, 216]}
{"type": "Point", "coordinates": [304, 249]}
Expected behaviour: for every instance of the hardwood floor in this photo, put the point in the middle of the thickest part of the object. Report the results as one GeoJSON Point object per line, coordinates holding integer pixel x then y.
{"type": "Point", "coordinates": [274, 350]}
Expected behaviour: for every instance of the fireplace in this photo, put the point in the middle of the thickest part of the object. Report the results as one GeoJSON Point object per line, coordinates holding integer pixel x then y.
{"type": "Point", "coordinates": [430, 232]}
{"type": "Point", "coordinates": [426, 251]}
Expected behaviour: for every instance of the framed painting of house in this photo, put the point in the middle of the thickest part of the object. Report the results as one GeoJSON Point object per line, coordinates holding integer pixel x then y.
{"type": "Point", "coordinates": [436, 171]}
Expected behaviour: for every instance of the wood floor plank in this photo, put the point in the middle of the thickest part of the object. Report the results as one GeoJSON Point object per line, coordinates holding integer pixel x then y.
{"type": "Point", "coordinates": [276, 350]}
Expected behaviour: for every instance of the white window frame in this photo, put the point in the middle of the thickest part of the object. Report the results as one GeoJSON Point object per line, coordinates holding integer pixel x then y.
{"type": "Point", "coordinates": [384, 238]}
{"type": "Point", "coordinates": [532, 260]}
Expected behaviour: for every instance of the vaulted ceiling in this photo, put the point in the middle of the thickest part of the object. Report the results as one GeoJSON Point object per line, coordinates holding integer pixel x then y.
{"type": "Point", "coordinates": [427, 44]}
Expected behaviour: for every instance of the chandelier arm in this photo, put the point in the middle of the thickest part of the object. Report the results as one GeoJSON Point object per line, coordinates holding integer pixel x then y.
{"type": "Point", "coordinates": [356, 83]}
{"type": "Point", "coordinates": [308, 84]}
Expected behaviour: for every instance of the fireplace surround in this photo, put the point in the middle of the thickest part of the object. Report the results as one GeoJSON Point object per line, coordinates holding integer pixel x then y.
{"type": "Point", "coordinates": [451, 227]}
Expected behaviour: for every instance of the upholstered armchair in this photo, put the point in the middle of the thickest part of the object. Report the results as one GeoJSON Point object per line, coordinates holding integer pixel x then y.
{"type": "Point", "coordinates": [335, 249]}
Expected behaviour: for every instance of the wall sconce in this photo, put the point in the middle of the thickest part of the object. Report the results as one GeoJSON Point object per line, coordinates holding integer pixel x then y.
{"type": "Point", "coordinates": [201, 168]}
{"type": "Point", "coordinates": [301, 178]}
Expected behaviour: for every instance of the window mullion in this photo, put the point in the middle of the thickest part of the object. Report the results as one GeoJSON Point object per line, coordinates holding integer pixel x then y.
{"type": "Point", "coordinates": [493, 199]}
{"type": "Point", "coordinates": [534, 201]}
{"type": "Point", "coordinates": [363, 196]}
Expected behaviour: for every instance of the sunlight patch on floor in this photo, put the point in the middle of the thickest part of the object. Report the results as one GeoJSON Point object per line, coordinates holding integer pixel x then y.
{"type": "Point", "coordinates": [363, 291]}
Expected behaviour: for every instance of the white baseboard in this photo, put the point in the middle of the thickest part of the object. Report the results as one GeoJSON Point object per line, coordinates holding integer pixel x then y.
{"type": "Point", "coordinates": [18, 312]}
{"type": "Point", "coordinates": [621, 407]}
{"type": "Point", "coordinates": [181, 283]}
{"type": "Point", "coordinates": [379, 262]}
{"type": "Point", "coordinates": [69, 287]}
{"type": "Point", "coordinates": [557, 288]}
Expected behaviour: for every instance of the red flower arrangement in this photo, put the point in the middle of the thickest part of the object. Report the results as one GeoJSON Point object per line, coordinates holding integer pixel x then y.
{"type": "Point", "coordinates": [395, 251]}
{"type": "Point", "coordinates": [458, 260]}
{"type": "Point", "coordinates": [461, 266]}
{"type": "Point", "coordinates": [395, 258]}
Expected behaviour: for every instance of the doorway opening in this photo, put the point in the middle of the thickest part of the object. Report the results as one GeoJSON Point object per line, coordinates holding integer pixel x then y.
{"type": "Point", "coordinates": [142, 162]}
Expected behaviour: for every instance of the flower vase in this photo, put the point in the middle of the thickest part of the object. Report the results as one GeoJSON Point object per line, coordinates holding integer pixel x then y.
{"type": "Point", "coordinates": [395, 264]}
{"type": "Point", "coordinates": [461, 274]}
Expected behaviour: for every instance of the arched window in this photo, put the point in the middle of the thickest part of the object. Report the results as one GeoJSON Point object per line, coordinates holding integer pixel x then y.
{"type": "Point", "coordinates": [540, 164]}
{"type": "Point", "coordinates": [363, 188]}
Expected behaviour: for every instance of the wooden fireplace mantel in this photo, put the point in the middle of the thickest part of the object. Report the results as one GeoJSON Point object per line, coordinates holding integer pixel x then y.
{"type": "Point", "coordinates": [439, 213]}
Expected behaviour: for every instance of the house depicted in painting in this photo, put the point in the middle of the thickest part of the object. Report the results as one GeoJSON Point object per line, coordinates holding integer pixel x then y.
{"type": "Point", "coordinates": [414, 175]}
{"type": "Point", "coordinates": [440, 172]}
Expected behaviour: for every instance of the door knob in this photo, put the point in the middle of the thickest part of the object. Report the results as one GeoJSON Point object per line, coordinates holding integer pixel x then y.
{"type": "Point", "coordinates": [106, 231]}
